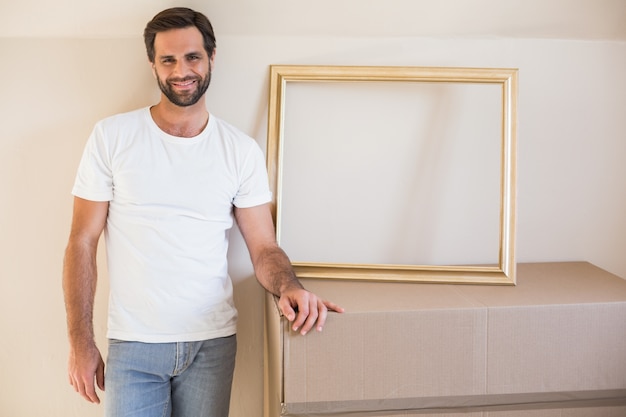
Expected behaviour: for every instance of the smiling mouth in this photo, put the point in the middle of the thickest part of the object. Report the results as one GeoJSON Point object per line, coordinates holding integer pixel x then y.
{"type": "Point", "coordinates": [183, 83]}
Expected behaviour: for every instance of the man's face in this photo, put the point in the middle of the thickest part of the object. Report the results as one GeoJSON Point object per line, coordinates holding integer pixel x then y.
{"type": "Point", "coordinates": [181, 66]}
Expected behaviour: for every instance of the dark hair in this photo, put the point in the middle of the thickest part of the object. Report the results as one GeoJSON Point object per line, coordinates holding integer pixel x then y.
{"type": "Point", "coordinates": [178, 18]}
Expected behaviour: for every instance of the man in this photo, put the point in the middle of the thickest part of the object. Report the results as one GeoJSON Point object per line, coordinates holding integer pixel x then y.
{"type": "Point", "coordinates": [164, 183]}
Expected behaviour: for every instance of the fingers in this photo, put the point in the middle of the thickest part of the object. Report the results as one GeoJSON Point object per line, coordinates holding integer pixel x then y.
{"type": "Point", "coordinates": [86, 369]}
{"type": "Point", "coordinates": [307, 318]}
{"type": "Point", "coordinates": [100, 376]}
{"type": "Point", "coordinates": [333, 307]}
{"type": "Point", "coordinates": [90, 393]}
{"type": "Point", "coordinates": [85, 388]}
{"type": "Point", "coordinates": [296, 307]}
{"type": "Point", "coordinates": [310, 311]}
{"type": "Point", "coordinates": [286, 309]}
{"type": "Point", "coordinates": [321, 318]}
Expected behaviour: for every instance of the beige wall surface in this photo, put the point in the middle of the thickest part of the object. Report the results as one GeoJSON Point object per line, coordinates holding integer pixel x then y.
{"type": "Point", "coordinates": [56, 85]}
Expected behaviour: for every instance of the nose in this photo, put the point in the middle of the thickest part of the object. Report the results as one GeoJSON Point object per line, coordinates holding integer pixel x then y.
{"type": "Point", "coordinates": [180, 69]}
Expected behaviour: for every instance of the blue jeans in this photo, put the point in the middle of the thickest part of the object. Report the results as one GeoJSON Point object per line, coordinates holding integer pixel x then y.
{"type": "Point", "coordinates": [187, 379]}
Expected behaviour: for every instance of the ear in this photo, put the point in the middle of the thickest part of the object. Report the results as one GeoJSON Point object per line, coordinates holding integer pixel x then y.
{"type": "Point", "coordinates": [153, 68]}
{"type": "Point", "coordinates": [212, 59]}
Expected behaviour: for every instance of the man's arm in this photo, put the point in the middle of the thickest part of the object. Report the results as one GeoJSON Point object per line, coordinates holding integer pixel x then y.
{"type": "Point", "coordinates": [273, 270]}
{"type": "Point", "coordinates": [79, 287]}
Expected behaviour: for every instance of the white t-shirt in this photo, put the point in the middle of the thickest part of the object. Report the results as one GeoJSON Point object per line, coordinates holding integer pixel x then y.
{"type": "Point", "coordinates": [170, 210]}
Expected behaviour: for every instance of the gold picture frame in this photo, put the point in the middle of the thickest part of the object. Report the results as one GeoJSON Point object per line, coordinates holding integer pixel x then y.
{"type": "Point", "coordinates": [499, 272]}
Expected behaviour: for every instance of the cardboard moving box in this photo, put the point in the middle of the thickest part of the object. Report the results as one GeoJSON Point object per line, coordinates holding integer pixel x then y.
{"type": "Point", "coordinates": [555, 341]}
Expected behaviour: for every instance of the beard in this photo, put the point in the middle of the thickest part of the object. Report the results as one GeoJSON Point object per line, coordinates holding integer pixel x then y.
{"type": "Point", "coordinates": [187, 99]}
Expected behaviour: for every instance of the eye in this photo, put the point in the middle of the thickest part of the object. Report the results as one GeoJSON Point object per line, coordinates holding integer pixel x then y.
{"type": "Point", "coordinates": [166, 61]}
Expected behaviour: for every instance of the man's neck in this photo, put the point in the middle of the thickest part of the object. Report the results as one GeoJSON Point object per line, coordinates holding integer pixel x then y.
{"type": "Point", "coordinates": [184, 122]}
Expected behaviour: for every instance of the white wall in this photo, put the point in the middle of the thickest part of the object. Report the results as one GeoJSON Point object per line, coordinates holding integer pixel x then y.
{"type": "Point", "coordinates": [571, 175]}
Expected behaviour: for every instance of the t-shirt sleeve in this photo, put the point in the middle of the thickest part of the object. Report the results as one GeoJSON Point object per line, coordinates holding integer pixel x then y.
{"type": "Point", "coordinates": [94, 179]}
{"type": "Point", "coordinates": [254, 187]}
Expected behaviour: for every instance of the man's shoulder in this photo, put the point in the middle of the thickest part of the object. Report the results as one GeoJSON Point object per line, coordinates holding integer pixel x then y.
{"type": "Point", "coordinates": [133, 116]}
{"type": "Point", "coordinates": [121, 128]}
{"type": "Point", "coordinates": [230, 132]}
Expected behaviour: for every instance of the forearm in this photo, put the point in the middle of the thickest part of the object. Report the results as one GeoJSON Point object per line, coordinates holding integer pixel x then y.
{"type": "Point", "coordinates": [79, 288]}
{"type": "Point", "coordinates": [273, 270]}
{"type": "Point", "coordinates": [271, 265]}
{"type": "Point", "coordinates": [302, 308]}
